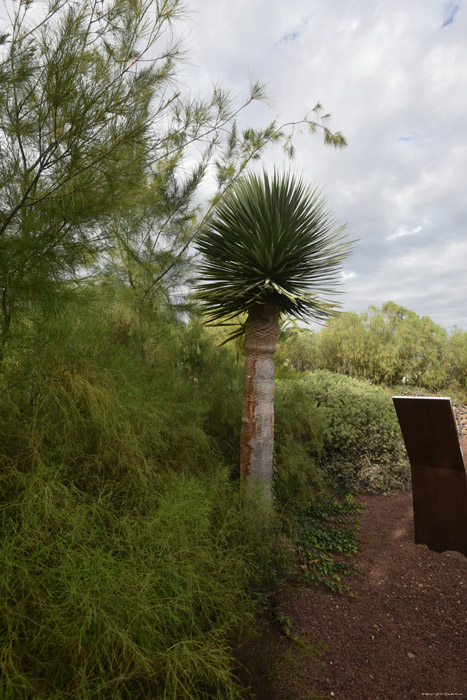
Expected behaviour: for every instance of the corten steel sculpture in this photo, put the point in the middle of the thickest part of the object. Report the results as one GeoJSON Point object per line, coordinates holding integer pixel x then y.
{"type": "Point", "coordinates": [439, 482]}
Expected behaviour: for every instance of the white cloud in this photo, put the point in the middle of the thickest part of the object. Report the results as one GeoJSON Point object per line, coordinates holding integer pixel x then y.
{"type": "Point", "coordinates": [394, 77]}
{"type": "Point", "coordinates": [448, 259]}
{"type": "Point", "coordinates": [402, 232]}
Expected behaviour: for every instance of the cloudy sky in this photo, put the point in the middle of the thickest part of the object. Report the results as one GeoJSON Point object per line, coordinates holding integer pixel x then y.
{"type": "Point", "coordinates": [393, 74]}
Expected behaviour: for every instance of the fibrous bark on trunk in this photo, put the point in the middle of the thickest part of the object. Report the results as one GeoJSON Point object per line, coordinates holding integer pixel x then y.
{"type": "Point", "coordinates": [257, 436]}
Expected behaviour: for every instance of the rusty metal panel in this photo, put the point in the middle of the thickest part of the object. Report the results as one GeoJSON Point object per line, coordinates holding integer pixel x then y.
{"type": "Point", "coordinates": [439, 482]}
{"type": "Point", "coordinates": [440, 508]}
{"type": "Point", "coordinates": [429, 431]}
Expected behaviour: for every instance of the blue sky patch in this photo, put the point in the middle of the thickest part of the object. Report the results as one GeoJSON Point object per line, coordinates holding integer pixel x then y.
{"type": "Point", "coordinates": [291, 36]}
{"type": "Point", "coordinates": [295, 33]}
{"type": "Point", "coordinates": [452, 9]}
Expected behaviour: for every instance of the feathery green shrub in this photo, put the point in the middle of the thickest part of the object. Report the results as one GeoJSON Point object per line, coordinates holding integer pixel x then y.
{"type": "Point", "coordinates": [100, 601]}
{"type": "Point", "coordinates": [127, 561]}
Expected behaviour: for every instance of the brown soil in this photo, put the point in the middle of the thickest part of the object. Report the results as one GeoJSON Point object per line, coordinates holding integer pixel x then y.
{"type": "Point", "coordinates": [403, 635]}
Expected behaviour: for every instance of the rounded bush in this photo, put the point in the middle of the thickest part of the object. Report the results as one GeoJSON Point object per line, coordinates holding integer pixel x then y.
{"type": "Point", "coordinates": [350, 430]}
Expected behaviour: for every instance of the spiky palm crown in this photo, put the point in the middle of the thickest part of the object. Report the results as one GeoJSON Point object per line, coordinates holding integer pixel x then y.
{"type": "Point", "coordinates": [270, 239]}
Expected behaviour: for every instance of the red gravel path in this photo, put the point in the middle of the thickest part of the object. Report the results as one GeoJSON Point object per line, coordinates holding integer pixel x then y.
{"type": "Point", "coordinates": [404, 634]}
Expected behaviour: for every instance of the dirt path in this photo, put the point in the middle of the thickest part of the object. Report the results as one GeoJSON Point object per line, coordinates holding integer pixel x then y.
{"type": "Point", "coordinates": [403, 635]}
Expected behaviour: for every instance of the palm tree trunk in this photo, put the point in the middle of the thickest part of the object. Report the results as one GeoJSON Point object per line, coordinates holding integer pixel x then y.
{"type": "Point", "coordinates": [257, 436]}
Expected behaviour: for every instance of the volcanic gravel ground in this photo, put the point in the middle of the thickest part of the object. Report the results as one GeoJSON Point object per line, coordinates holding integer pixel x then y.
{"type": "Point", "coordinates": [403, 635]}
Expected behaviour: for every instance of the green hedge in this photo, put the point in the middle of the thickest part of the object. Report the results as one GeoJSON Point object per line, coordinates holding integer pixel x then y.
{"type": "Point", "coordinates": [348, 428]}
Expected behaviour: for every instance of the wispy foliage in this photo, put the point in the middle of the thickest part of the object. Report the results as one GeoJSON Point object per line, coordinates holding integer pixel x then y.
{"type": "Point", "coordinates": [127, 563]}
{"type": "Point", "coordinates": [102, 155]}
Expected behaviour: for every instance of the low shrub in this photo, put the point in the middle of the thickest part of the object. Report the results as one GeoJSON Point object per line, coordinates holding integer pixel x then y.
{"type": "Point", "coordinates": [128, 565]}
{"type": "Point", "coordinates": [350, 430]}
{"type": "Point", "coordinates": [106, 602]}
{"type": "Point", "coordinates": [217, 372]}
{"type": "Point", "coordinates": [299, 432]}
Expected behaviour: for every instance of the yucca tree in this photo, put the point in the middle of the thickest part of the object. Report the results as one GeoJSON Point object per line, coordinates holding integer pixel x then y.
{"type": "Point", "coordinates": [271, 249]}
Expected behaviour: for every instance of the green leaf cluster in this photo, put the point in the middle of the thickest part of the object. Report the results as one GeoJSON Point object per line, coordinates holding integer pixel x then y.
{"type": "Point", "coordinates": [325, 537]}
{"type": "Point", "coordinates": [270, 239]}
{"type": "Point", "coordinates": [75, 129]}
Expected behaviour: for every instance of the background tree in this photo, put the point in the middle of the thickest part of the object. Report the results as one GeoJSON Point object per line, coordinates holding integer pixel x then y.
{"type": "Point", "coordinates": [270, 249]}
{"type": "Point", "coordinates": [298, 349]}
{"type": "Point", "coordinates": [455, 357]}
{"type": "Point", "coordinates": [342, 345]}
{"type": "Point", "coordinates": [95, 144]}
{"type": "Point", "coordinates": [388, 345]}
{"type": "Point", "coordinates": [74, 135]}
{"type": "Point", "coordinates": [403, 346]}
